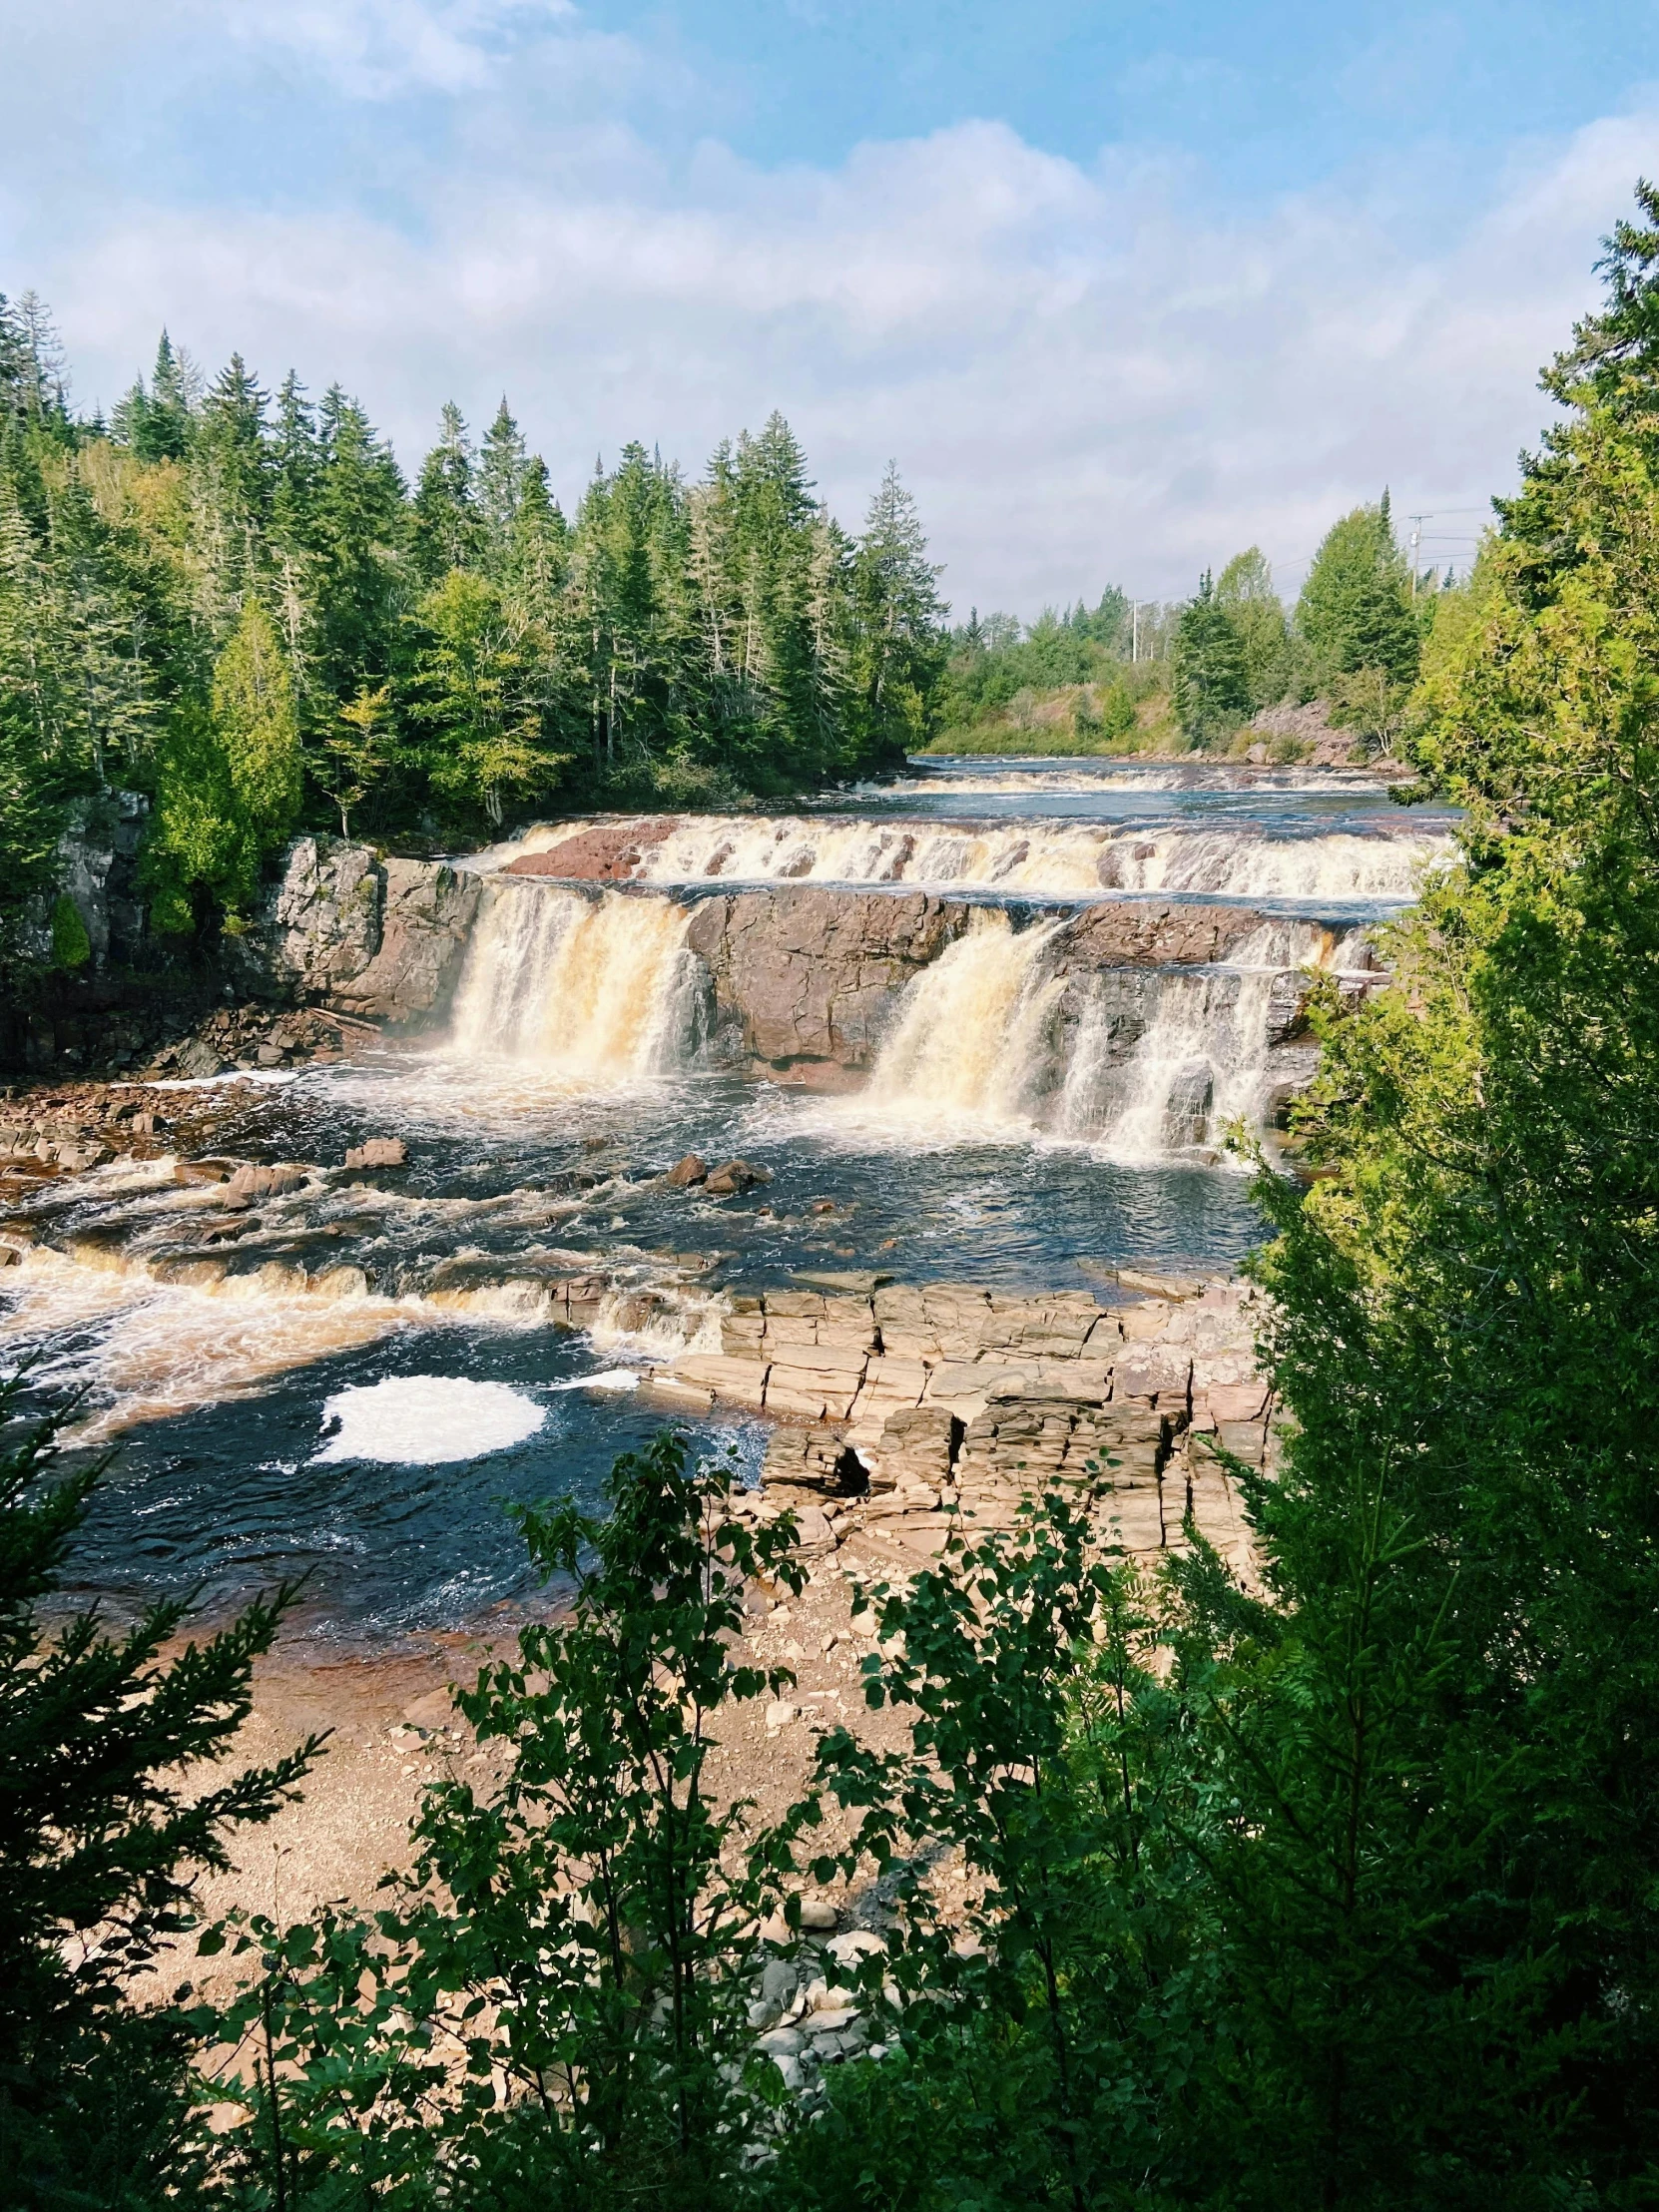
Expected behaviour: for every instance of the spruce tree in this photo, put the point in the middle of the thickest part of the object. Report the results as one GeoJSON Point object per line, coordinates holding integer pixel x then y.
{"type": "Point", "coordinates": [898, 615]}
{"type": "Point", "coordinates": [1356, 608]}
{"type": "Point", "coordinates": [1211, 682]}
{"type": "Point", "coordinates": [448, 531]}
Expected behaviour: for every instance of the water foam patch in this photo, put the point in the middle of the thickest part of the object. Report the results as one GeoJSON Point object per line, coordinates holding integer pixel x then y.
{"type": "Point", "coordinates": [421, 1421]}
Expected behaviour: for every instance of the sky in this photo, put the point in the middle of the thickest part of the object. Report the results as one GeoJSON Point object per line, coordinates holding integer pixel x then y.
{"type": "Point", "coordinates": [1121, 290]}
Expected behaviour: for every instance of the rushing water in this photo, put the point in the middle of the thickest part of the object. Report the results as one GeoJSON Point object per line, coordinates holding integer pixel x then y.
{"type": "Point", "coordinates": [359, 1380]}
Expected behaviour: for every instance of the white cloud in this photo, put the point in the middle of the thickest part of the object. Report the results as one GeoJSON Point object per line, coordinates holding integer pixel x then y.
{"type": "Point", "coordinates": [373, 49]}
{"type": "Point", "coordinates": [1085, 374]}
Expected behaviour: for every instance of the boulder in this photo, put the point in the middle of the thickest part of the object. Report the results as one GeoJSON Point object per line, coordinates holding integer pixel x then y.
{"type": "Point", "coordinates": [687, 1172]}
{"type": "Point", "coordinates": [734, 1176]}
{"type": "Point", "coordinates": [379, 1152]}
{"type": "Point", "coordinates": [254, 1181]}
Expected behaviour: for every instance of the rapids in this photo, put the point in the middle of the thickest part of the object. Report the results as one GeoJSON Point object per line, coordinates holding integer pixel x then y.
{"type": "Point", "coordinates": [349, 1378]}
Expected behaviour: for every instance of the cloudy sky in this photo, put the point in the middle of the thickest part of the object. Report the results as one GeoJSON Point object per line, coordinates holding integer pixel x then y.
{"type": "Point", "coordinates": [1122, 290]}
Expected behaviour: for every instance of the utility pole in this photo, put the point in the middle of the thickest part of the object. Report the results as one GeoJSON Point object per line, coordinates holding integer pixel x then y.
{"type": "Point", "coordinates": [1414, 541]}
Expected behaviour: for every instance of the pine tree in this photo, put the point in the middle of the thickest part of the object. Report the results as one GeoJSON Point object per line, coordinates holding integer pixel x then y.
{"type": "Point", "coordinates": [1210, 681]}
{"type": "Point", "coordinates": [899, 652]}
{"type": "Point", "coordinates": [447, 532]}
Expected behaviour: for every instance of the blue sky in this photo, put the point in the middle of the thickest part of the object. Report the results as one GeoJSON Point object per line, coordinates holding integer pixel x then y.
{"type": "Point", "coordinates": [1122, 290]}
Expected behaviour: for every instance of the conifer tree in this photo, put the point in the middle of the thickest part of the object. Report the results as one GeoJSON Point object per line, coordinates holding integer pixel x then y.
{"type": "Point", "coordinates": [897, 614]}
{"type": "Point", "coordinates": [447, 532]}
{"type": "Point", "coordinates": [1356, 608]}
{"type": "Point", "coordinates": [504, 467]}
{"type": "Point", "coordinates": [104, 1835]}
{"type": "Point", "coordinates": [1211, 680]}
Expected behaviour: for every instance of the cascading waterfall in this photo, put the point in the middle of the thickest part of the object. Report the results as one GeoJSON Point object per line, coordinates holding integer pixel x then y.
{"type": "Point", "coordinates": [598, 989]}
{"type": "Point", "coordinates": [1039, 859]}
{"type": "Point", "coordinates": [1146, 1064]}
{"type": "Point", "coordinates": [969, 1030]}
{"type": "Point", "coordinates": [1199, 1065]}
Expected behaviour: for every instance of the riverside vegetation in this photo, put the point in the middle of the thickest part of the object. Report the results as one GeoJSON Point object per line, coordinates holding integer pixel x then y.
{"type": "Point", "coordinates": [1341, 1889]}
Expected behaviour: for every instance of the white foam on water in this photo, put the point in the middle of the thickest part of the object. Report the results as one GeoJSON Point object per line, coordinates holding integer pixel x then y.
{"type": "Point", "coordinates": [607, 1378]}
{"type": "Point", "coordinates": [423, 1420]}
{"type": "Point", "coordinates": [537, 965]}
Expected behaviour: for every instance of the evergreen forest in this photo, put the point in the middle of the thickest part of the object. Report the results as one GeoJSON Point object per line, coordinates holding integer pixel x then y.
{"type": "Point", "coordinates": [232, 602]}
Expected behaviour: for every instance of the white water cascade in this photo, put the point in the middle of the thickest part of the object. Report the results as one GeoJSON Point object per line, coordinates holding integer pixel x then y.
{"type": "Point", "coordinates": [1199, 1066]}
{"type": "Point", "coordinates": [595, 989]}
{"type": "Point", "coordinates": [969, 1030]}
{"type": "Point", "coordinates": [996, 1040]}
{"type": "Point", "coordinates": [1040, 859]}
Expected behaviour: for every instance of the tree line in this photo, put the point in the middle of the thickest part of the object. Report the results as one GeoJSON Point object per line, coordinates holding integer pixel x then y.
{"type": "Point", "coordinates": [1208, 664]}
{"type": "Point", "coordinates": [231, 601]}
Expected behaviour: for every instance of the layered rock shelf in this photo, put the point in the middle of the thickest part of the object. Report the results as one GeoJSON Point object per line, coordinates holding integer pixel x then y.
{"type": "Point", "coordinates": [908, 1410]}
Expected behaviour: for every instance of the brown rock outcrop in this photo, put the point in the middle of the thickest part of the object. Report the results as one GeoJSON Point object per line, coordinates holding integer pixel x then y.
{"type": "Point", "coordinates": [381, 939]}
{"type": "Point", "coordinates": [607, 852]}
{"type": "Point", "coordinates": [810, 975]}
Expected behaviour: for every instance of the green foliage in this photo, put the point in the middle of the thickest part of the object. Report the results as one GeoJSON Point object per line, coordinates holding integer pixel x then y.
{"type": "Point", "coordinates": [1211, 680]}
{"type": "Point", "coordinates": [475, 693]}
{"type": "Point", "coordinates": [71, 946]}
{"type": "Point", "coordinates": [991, 662]}
{"type": "Point", "coordinates": [676, 644]}
{"type": "Point", "coordinates": [1356, 610]}
{"type": "Point", "coordinates": [230, 781]}
{"type": "Point", "coordinates": [1244, 591]}
{"type": "Point", "coordinates": [1046, 2054]}
{"type": "Point", "coordinates": [551, 2008]}
{"type": "Point", "coordinates": [105, 1828]}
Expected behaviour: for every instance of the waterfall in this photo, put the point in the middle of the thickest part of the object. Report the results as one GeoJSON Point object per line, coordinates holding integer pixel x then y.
{"type": "Point", "coordinates": [970, 1029]}
{"type": "Point", "coordinates": [598, 989]}
{"type": "Point", "coordinates": [1038, 859]}
{"type": "Point", "coordinates": [1199, 1065]}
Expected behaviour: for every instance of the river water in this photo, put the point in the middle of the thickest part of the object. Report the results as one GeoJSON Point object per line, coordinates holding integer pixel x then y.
{"type": "Point", "coordinates": [355, 1383]}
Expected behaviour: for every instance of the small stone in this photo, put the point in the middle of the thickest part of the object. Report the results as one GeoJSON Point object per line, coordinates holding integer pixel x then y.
{"type": "Point", "coordinates": [734, 1176]}
{"type": "Point", "coordinates": [779, 1715]}
{"type": "Point", "coordinates": [818, 1915]}
{"type": "Point", "coordinates": [435, 1709]}
{"type": "Point", "coordinates": [781, 2042]}
{"type": "Point", "coordinates": [10, 1257]}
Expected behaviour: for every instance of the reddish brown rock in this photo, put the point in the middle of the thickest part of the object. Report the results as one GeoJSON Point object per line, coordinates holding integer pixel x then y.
{"type": "Point", "coordinates": [607, 852]}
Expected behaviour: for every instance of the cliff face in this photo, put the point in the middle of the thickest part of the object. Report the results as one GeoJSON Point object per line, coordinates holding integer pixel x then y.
{"type": "Point", "coordinates": [805, 983]}
{"type": "Point", "coordinates": [379, 938]}
{"type": "Point", "coordinates": [804, 980]}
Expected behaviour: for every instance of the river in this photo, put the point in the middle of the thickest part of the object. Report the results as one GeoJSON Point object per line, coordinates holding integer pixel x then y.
{"type": "Point", "coordinates": [348, 1383]}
